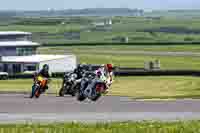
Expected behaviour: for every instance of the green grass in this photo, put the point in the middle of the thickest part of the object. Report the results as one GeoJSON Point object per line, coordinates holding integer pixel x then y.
{"type": "Point", "coordinates": [137, 23]}
{"type": "Point", "coordinates": [118, 47]}
{"type": "Point", "coordinates": [136, 87]}
{"type": "Point", "coordinates": [123, 127]}
{"type": "Point", "coordinates": [102, 55]}
{"type": "Point", "coordinates": [41, 28]}
{"type": "Point", "coordinates": [135, 36]}
{"type": "Point", "coordinates": [132, 27]}
{"type": "Point", "coordinates": [157, 87]}
{"type": "Point", "coordinates": [138, 61]}
{"type": "Point", "coordinates": [24, 85]}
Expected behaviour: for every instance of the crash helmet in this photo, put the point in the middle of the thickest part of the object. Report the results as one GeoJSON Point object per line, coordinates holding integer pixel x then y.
{"type": "Point", "coordinates": [46, 67]}
{"type": "Point", "coordinates": [109, 67]}
{"type": "Point", "coordinates": [98, 73]}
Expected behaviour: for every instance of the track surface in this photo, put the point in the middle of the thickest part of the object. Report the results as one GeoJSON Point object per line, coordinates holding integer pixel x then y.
{"type": "Point", "coordinates": [19, 108]}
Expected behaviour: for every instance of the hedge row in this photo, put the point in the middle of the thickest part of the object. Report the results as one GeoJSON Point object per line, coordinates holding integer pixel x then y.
{"type": "Point", "coordinates": [132, 43]}
{"type": "Point", "coordinates": [134, 72]}
{"type": "Point", "coordinates": [128, 72]}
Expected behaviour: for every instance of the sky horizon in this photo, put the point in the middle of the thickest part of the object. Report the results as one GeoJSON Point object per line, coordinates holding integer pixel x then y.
{"type": "Point", "coordinates": [63, 4]}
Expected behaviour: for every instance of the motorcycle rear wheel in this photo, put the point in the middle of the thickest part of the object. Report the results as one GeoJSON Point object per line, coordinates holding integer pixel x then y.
{"type": "Point", "coordinates": [75, 91]}
{"type": "Point", "coordinates": [62, 92]}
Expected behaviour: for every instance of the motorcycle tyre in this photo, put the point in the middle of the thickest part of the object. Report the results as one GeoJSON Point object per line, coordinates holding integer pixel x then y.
{"type": "Point", "coordinates": [37, 93]}
{"type": "Point", "coordinates": [80, 96]}
{"type": "Point", "coordinates": [61, 92]}
{"type": "Point", "coordinates": [96, 97]}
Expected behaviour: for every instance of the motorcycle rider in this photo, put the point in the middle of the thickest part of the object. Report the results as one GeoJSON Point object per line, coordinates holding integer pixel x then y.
{"type": "Point", "coordinates": [103, 74]}
{"type": "Point", "coordinates": [44, 72]}
{"type": "Point", "coordinates": [79, 72]}
{"type": "Point", "coordinates": [85, 80]}
{"type": "Point", "coordinates": [108, 73]}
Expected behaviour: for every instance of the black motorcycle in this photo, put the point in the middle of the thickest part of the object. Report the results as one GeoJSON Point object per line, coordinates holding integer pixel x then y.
{"type": "Point", "coordinates": [70, 85]}
{"type": "Point", "coordinates": [99, 88]}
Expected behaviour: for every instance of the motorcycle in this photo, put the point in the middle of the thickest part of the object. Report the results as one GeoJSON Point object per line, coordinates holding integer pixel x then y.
{"type": "Point", "coordinates": [99, 89]}
{"type": "Point", "coordinates": [39, 86]}
{"type": "Point", "coordinates": [70, 85]}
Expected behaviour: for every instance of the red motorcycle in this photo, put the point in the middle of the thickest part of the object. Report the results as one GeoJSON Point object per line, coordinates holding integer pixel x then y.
{"type": "Point", "coordinates": [39, 86]}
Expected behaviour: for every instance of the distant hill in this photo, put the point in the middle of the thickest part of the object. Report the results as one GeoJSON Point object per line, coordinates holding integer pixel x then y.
{"type": "Point", "coordinates": [174, 13]}
{"type": "Point", "coordinates": [78, 12]}
{"type": "Point", "coordinates": [6, 14]}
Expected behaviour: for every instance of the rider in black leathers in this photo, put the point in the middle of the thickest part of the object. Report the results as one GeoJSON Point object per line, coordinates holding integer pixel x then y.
{"type": "Point", "coordinates": [79, 72]}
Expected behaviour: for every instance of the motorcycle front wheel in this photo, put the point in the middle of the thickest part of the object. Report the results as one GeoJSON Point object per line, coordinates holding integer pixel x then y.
{"type": "Point", "coordinates": [80, 96]}
{"type": "Point", "coordinates": [37, 92]}
{"type": "Point", "coordinates": [96, 97]}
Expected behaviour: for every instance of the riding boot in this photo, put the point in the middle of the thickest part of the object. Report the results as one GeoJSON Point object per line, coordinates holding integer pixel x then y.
{"type": "Point", "coordinates": [33, 91]}
{"type": "Point", "coordinates": [46, 88]}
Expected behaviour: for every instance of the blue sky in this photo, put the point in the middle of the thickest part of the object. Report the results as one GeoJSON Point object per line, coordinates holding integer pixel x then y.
{"type": "Point", "coordinates": [78, 4]}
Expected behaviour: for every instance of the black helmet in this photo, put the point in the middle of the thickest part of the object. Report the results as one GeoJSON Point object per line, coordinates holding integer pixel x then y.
{"type": "Point", "coordinates": [80, 67]}
{"type": "Point", "coordinates": [46, 67]}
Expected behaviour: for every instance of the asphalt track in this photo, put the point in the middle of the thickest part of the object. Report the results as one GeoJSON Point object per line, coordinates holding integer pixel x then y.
{"type": "Point", "coordinates": [19, 108]}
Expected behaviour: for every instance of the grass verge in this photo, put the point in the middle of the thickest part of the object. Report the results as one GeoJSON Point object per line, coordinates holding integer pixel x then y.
{"type": "Point", "coordinates": [137, 87]}
{"type": "Point", "coordinates": [157, 87]}
{"type": "Point", "coordinates": [138, 61]}
{"type": "Point", "coordinates": [24, 85]}
{"type": "Point", "coordinates": [122, 56]}
{"type": "Point", "coordinates": [123, 127]}
{"type": "Point", "coordinates": [118, 47]}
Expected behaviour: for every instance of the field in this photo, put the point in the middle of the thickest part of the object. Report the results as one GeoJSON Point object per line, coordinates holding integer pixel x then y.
{"type": "Point", "coordinates": [24, 85]}
{"type": "Point", "coordinates": [123, 127]}
{"type": "Point", "coordinates": [136, 87]}
{"type": "Point", "coordinates": [121, 47]}
{"type": "Point", "coordinates": [137, 29]}
{"type": "Point", "coordinates": [124, 55]}
{"type": "Point", "coordinates": [157, 87]}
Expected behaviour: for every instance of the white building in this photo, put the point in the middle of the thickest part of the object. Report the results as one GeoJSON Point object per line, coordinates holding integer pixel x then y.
{"type": "Point", "coordinates": [18, 55]}
{"type": "Point", "coordinates": [106, 22]}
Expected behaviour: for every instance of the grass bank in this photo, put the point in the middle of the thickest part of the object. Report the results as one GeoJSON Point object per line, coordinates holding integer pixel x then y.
{"type": "Point", "coordinates": [157, 87]}
{"type": "Point", "coordinates": [138, 61]}
{"type": "Point", "coordinates": [24, 85]}
{"type": "Point", "coordinates": [123, 127]}
{"type": "Point", "coordinates": [121, 47]}
{"type": "Point", "coordinates": [136, 87]}
{"type": "Point", "coordinates": [122, 55]}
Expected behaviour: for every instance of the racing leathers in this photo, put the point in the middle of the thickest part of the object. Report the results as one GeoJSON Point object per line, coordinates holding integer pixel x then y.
{"type": "Point", "coordinates": [102, 76]}
{"type": "Point", "coordinates": [44, 74]}
{"type": "Point", "coordinates": [79, 72]}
